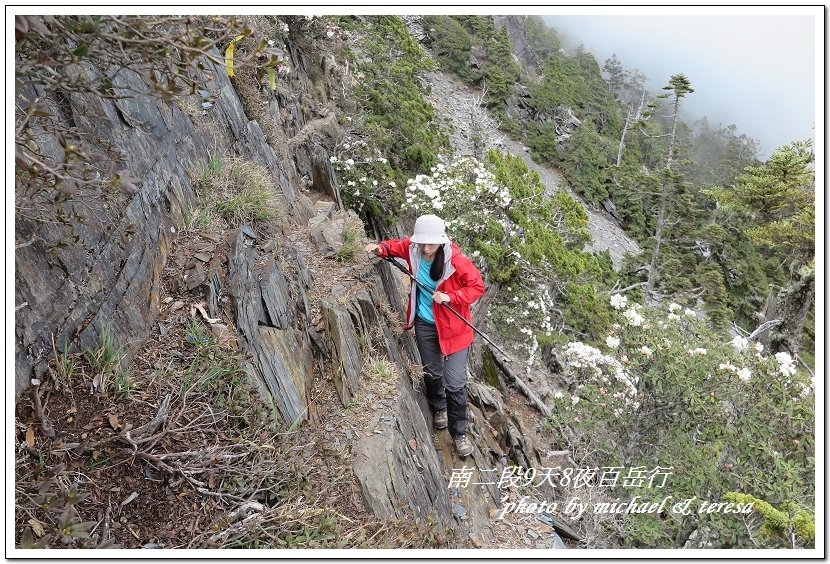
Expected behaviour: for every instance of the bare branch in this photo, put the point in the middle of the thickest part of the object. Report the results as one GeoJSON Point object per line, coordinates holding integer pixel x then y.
{"type": "Point", "coordinates": [763, 327]}
{"type": "Point", "coordinates": [626, 289]}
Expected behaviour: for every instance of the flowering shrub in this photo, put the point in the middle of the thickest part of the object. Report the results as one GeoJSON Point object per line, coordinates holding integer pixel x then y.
{"type": "Point", "coordinates": [366, 179]}
{"type": "Point", "coordinates": [528, 244]}
{"type": "Point", "coordinates": [665, 388]}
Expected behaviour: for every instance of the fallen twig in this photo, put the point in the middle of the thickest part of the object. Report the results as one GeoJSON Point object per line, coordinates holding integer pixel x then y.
{"type": "Point", "coordinates": [44, 422]}
{"type": "Point", "coordinates": [150, 427]}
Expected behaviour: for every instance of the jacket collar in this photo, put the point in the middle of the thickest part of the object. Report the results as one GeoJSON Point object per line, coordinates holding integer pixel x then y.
{"type": "Point", "coordinates": [415, 256]}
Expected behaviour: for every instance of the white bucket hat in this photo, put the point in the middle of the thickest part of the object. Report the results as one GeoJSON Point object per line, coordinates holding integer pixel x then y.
{"type": "Point", "coordinates": [429, 229]}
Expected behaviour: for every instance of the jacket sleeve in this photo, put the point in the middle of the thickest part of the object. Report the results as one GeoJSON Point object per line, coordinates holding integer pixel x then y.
{"type": "Point", "coordinates": [472, 285]}
{"type": "Point", "coordinates": [398, 248]}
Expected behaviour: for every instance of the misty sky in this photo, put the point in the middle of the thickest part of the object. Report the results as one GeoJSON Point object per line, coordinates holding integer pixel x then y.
{"type": "Point", "coordinates": [756, 71]}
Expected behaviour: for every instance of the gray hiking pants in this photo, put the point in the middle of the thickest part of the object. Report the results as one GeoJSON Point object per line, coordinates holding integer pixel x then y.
{"type": "Point", "coordinates": [445, 378]}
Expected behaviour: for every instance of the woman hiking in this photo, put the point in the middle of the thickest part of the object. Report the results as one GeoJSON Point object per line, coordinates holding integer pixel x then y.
{"type": "Point", "coordinates": [443, 339]}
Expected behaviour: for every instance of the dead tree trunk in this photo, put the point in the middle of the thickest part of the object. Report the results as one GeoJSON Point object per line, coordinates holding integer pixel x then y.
{"type": "Point", "coordinates": [795, 304]}
{"type": "Point", "coordinates": [650, 296]}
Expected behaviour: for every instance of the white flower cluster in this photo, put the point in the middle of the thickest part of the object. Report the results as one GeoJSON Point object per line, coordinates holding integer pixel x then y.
{"type": "Point", "coordinates": [805, 389]}
{"type": "Point", "coordinates": [743, 373]}
{"type": "Point", "coordinates": [786, 364]}
{"type": "Point", "coordinates": [619, 301]}
{"type": "Point", "coordinates": [674, 307]}
{"type": "Point", "coordinates": [633, 317]}
{"type": "Point", "coordinates": [449, 184]}
{"type": "Point", "coordinates": [580, 355]}
{"type": "Point", "coordinates": [697, 352]}
{"type": "Point", "coordinates": [740, 343]}
{"type": "Point", "coordinates": [612, 341]}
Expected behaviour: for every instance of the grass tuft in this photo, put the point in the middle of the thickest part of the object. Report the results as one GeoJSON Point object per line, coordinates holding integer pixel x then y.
{"type": "Point", "coordinates": [237, 190]}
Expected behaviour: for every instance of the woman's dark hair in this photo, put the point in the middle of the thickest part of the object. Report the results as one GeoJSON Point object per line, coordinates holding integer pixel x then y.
{"type": "Point", "coordinates": [436, 271]}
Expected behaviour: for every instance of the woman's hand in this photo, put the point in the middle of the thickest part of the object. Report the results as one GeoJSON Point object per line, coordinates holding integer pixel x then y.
{"type": "Point", "coordinates": [373, 248]}
{"type": "Point", "coordinates": [440, 298]}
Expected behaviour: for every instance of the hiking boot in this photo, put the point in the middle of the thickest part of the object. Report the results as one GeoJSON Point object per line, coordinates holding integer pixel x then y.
{"type": "Point", "coordinates": [439, 420]}
{"type": "Point", "coordinates": [463, 446]}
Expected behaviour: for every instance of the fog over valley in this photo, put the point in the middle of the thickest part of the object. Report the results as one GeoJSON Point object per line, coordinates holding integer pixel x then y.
{"type": "Point", "coordinates": [757, 72]}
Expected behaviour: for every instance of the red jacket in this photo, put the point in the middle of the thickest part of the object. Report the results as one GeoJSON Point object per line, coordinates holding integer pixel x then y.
{"type": "Point", "coordinates": [461, 282]}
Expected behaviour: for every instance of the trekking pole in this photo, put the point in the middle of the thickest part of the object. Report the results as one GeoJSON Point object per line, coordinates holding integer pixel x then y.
{"type": "Point", "coordinates": [540, 405]}
{"type": "Point", "coordinates": [400, 267]}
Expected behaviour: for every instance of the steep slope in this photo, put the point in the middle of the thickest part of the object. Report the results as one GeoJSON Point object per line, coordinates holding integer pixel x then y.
{"type": "Point", "coordinates": [456, 103]}
{"type": "Point", "coordinates": [198, 378]}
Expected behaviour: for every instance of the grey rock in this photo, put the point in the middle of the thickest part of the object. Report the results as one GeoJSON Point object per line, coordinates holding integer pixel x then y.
{"type": "Point", "coordinates": [344, 346]}
{"type": "Point", "coordinates": [329, 236]}
{"type": "Point", "coordinates": [394, 479]}
{"type": "Point", "coordinates": [112, 277]}
{"type": "Point", "coordinates": [281, 354]}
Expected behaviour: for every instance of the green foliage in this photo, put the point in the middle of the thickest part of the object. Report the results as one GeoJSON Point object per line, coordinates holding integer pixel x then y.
{"type": "Point", "coordinates": [711, 282]}
{"type": "Point", "coordinates": [780, 523]}
{"type": "Point", "coordinates": [576, 82]}
{"type": "Point", "coordinates": [541, 39]}
{"type": "Point", "coordinates": [400, 122]}
{"type": "Point", "coordinates": [457, 39]}
{"type": "Point", "coordinates": [451, 44]}
{"type": "Point", "coordinates": [64, 367]}
{"type": "Point", "coordinates": [740, 266]}
{"type": "Point", "coordinates": [776, 201]}
{"type": "Point", "coordinates": [585, 163]}
{"type": "Point", "coordinates": [541, 140]}
{"type": "Point", "coordinates": [351, 244]}
{"type": "Point", "coordinates": [104, 360]}
{"type": "Point", "coordinates": [665, 389]}
{"type": "Point", "coordinates": [123, 382]}
{"type": "Point", "coordinates": [368, 182]}
{"type": "Point", "coordinates": [63, 526]}
{"type": "Point", "coordinates": [720, 155]}
{"type": "Point", "coordinates": [585, 310]}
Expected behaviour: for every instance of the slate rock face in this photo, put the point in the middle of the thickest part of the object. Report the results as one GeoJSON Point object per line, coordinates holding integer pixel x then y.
{"type": "Point", "coordinates": [110, 278]}
{"type": "Point", "coordinates": [397, 468]}
{"type": "Point", "coordinates": [265, 315]}
{"type": "Point", "coordinates": [345, 349]}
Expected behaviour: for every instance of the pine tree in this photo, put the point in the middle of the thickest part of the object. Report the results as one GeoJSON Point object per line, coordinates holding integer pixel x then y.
{"type": "Point", "coordinates": [679, 86]}
{"type": "Point", "coordinates": [616, 76]}
{"type": "Point", "coordinates": [776, 203]}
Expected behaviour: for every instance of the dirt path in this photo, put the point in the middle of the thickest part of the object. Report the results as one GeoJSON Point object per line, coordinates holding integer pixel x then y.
{"type": "Point", "coordinates": [452, 99]}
